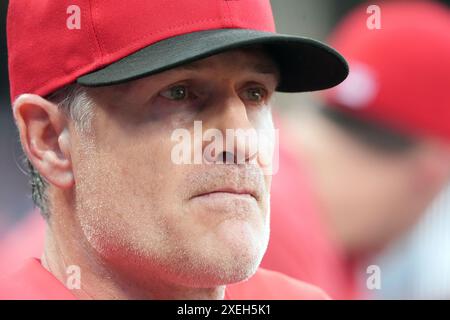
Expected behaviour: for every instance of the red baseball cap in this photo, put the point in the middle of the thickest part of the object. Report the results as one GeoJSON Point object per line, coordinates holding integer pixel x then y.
{"type": "Point", "coordinates": [52, 43]}
{"type": "Point", "coordinates": [399, 74]}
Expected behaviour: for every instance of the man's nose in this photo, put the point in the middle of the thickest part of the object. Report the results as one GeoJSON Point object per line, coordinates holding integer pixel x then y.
{"type": "Point", "coordinates": [229, 116]}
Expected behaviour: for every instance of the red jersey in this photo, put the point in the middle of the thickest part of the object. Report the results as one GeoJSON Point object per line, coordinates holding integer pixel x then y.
{"type": "Point", "coordinates": [34, 282]}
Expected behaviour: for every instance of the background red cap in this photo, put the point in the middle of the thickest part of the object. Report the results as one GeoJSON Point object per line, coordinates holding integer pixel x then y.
{"type": "Point", "coordinates": [400, 73]}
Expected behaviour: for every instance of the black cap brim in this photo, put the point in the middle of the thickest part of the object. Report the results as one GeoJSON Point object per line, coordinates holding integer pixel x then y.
{"type": "Point", "coordinates": [305, 64]}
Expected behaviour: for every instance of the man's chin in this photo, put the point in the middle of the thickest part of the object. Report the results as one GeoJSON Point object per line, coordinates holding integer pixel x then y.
{"type": "Point", "coordinates": [238, 253]}
{"type": "Point", "coordinates": [220, 274]}
{"type": "Point", "coordinates": [241, 238]}
{"type": "Point", "coordinates": [242, 273]}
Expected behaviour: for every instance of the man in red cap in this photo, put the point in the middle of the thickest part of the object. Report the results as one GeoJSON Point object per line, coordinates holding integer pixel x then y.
{"type": "Point", "coordinates": [377, 153]}
{"type": "Point", "coordinates": [107, 96]}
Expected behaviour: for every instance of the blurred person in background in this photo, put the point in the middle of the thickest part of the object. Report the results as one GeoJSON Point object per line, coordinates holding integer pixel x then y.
{"type": "Point", "coordinates": [418, 265]}
{"type": "Point", "coordinates": [376, 154]}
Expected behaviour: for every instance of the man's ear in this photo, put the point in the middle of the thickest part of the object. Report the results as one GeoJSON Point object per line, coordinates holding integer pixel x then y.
{"type": "Point", "coordinates": [45, 138]}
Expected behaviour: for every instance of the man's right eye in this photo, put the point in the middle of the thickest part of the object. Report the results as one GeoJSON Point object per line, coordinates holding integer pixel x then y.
{"type": "Point", "coordinates": [177, 93]}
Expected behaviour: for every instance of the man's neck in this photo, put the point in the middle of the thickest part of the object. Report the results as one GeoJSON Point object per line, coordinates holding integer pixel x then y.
{"type": "Point", "coordinates": [67, 258]}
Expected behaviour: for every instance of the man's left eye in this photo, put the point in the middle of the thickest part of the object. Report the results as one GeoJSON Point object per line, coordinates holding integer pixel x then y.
{"type": "Point", "coordinates": [255, 94]}
{"type": "Point", "coordinates": [177, 93]}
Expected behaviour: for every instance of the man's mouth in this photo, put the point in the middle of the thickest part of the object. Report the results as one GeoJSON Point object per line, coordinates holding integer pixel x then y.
{"type": "Point", "coordinates": [228, 192]}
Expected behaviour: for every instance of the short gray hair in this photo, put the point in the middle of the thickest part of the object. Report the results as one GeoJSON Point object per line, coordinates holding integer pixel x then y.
{"type": "Point", "coordinates": [74, 100]}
